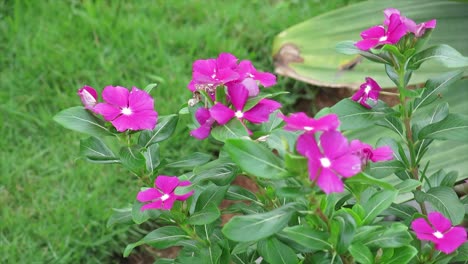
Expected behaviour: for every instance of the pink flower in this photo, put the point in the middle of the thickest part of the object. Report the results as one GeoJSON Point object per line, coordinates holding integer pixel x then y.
{"type": "Point", "coordinates": [205, 120]}
{"type": "Point", "coordinates": [368, 90]}
{"type": "Point", "coordinates": [335, 160]}
{"type": "Point", "coordinates": [300, 121]}
{"type": "Point", "coordinates": [366, 152]}
{"type": "Point", "coordinates": [88, 97]}
{"type": "Point", "coordinates": [127, 110]}
{"type": "Point", "coordinates": [250, 77]}
{"type": "Point", "coordinates": [378, 35]}
{"type": "Point", "coordinates": [213, 72]}
{"type": "Point", "coordinates": [439, 230]}
{"type": "Point", "coordinates": [411, 26]}
{"type": "Point", "coordinates": [163, 196]}
{"type": "Point", "coordinates": [239, 95]}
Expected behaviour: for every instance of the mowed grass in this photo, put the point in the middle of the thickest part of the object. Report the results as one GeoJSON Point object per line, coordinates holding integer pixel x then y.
{"type": "Point", "coordinates": [54, 206]}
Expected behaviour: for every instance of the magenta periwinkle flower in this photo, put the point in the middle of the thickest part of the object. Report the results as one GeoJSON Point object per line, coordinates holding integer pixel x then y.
{"type": "Point", "coordinates": [379, 35]}
{"type": "Point", "coordinates": [301, 122]}
{"type": "Point", "coordinates": [417, 29]}
{"type": "Point", "coordinates": [88, 97]}
{"type": "Point", "coordinates": [127, 110]}
{"type": "Point", "coordinates": [330, 161]}
{"type": "Point", "coordinates": [239, 95]}
{"type": "Point", "coordinates": [204, 119]}
{"type": "Point", "coordinates": [367, 153]}
{"type": "Point", "coordinates": [368, 90]}
{"type": "Point", "coordinates": [249, 77]}
{"type": "Point", "coordinates": [163, 196]}
{"type": "Point", "coordinates": [439, 230]}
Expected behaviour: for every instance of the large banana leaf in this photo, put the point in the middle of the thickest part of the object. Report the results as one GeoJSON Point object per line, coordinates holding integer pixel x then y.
{"type": "Point", "coordinates": [307, 51]}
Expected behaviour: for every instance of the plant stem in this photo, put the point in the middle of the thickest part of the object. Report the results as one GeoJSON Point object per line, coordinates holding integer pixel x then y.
{"type": "Point", "coordinates": [406, 117]}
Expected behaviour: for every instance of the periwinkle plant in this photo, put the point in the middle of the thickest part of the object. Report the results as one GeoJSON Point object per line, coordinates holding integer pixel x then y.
{"type": "Point", "coordinates": [322, 198]}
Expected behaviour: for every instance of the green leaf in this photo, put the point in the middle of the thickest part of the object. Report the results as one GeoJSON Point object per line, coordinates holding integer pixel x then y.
{"type": "Point", "coordinates": [205, 216]}
{"type": "Point", "coordinates": [347, 47]}
{"type": "Point", "coordinates": [212, 195]}
{"type": "Point", "coordinates": [233, 129]}
{"type": "Point", "coordinates": [163, 237]}
{"type": "Point", "coordinates": [343, 228]}
{"type": "Point", "coordinates": [295, 164]}
{"type": "Point", "coordinates": [446, 55]}
{"type": "Point", "coordinates": [361, 253]}
{"type": "Point", "coordinates": [407, 185]}
{"type": "Point", "coordinates": [453, 127]}
{"type": "Point", "coordinates": [402, 211]}
{"type": "Point", "coordinates": [377, 203]}
{"type": "Point", "coordinates": [190, 161]}
{"type": "Point", "coordinates": [352, 115]}
{"type": "Point", "coordinates": [308, 237]}
{"type": "Point", "coordinates": [275, 252]}
{"type": "Point", "coordinates": [221, 172]}
{"type": "Point", "coordinates": [402, 255]}
{"type": "Point", "coordinates": [94, 150]}
{"type": "Point", "coordinates": [435, 86]}
{"type": "Point", "coordinates": [139, 216]}
{"type": "Point", "coordinates": [237, 193]}
{"type": "Point", "coordinates": [442, 178]}
{"type": "Point", "coordinates": [393, 236]}
{"type": "Point", "coordinates": [383, 169]}
{"type": "Point", "coordinates": [365, 179]}
{"type": "Point", "coordinates": [306, 51]}
{"type": "Point", "coordinates": [257, 226]}
{"type": "Point", "coordinates": [444, 200]}
{"type": "Point", "coordinates": [150, 87]}
{"type": "Point", "coordinates": [152, 157]}
{"type": "Point", "coordinates": [164, 129]}
{"type": "Point", "coordinates": [79, 119]}
{"type": "Point", "coordinates": [392, 123]}
{"type": "Point", "coordinates": [132, 159]}
{"type": "Point", "coordinates": [120, 216]}
{"type": "Point", "coordinates": [255, 159]}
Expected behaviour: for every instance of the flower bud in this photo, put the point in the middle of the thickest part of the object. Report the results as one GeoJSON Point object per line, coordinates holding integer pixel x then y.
{"type": "Point", "coordinates": [88, 96]}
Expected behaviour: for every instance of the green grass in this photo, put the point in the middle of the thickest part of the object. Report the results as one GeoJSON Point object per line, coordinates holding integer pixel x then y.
{"type": "Point", "coordinates": [54, 207]}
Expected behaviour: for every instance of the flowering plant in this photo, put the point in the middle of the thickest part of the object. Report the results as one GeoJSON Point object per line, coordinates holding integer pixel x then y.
{"type": "Point", "coordinates": [321, 195]}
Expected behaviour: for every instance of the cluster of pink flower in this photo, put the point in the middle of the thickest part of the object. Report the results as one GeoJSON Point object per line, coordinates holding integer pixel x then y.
{"type": "Point", "coordinates": [126, 110]}
{"type": "Point", "coordinates": [240, 82]}
{"type": "Point", "coordinates": [333, 157]}
{"type": "Point", "coordinates": [394, 27]}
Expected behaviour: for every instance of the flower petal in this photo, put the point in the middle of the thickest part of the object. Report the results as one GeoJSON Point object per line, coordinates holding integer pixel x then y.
{"type": "Point", "coordinates": [148, 195]}
{"type": "Point", "coordinates": [347, 165]}
{"type": "Point", "coordinates": [202, 115]}
{"type": "Point", "coordinates": [334, 144]}
{"type": "Point", "coordinates": [251, 86]}
{"type": "Point", "coordinates": [221, 113]}
{"type": "Point", "coordinates": [265, 78]}
{"type": "Point", "coordinates": [117, 96]}
{"type": "Point", "coordinates": [261, 111]}
{"type": "Point", "coordinates": [238, 95]}
{"type": "Point", "coordinates": [166, 184]}
{"type": "Point", "coordinates": [453, 239]}
{"type": "Point", "coordinates": [140, 100]}
{"type": "Point", "coordinates": [366, 44]}
{"type": "Point", "coordinates": [167, 204]}
{"type": "Point", "coordinates": [202, 132]}
{"type": "Point", "coordinates": [144, 120]}
{"type": "Point", "coordinates": [307, 146]}
{"type": "Point", "coordinates": [373, 32]}
{"type": "Point", "coordinates": [382, 154]}
{"type": "Point", "coordinates": [439, 221]}
{"type": "Point", "coordinates": [313, 166]}
{"type": "Point", "coordinates": [154, 205]}
{"type": "Point", "coordinates": [423, 230]}
{"type": "Point", "coordinates": [329, 182]}
{"type": "Point", "coordinates": [226, 60]}
{"type": "Point", "coordinates": [108, 111]}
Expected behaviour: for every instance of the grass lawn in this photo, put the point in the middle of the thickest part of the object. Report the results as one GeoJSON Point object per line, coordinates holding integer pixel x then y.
{"type": "Point", "coordinates": [53, 206]}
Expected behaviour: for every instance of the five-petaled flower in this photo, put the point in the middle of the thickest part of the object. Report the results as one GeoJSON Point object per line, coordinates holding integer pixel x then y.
{"type": "Point", "coordinates": [366, 152]}
{"type": "Point", "coordinates": [205, 120]}
{"type": "Point", "coordinates": [239, 95]}
{"type": "Point", "coordinates": [163, 196]}
{"type": "Point", "coordinates": [368, 90]}
{"type": "Point", "coordinates": [132, 110]}
{"type": "Point", "coordinates": [334, 160]}
{"type": "Point", "coordinates": [300, 121]}
{"type": "Point", "coordinates": [439, 230]}
{"type": "Point", "coordinates": [379, 35]}
{"type": "Point", "coordinates": [88, 97]}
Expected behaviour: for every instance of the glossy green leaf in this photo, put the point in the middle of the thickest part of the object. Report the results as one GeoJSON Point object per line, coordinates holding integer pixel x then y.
{"type": "Point", "coordinates": [160, 238]}
{"type": "Point", "coordinates": [343, 228]}
{"type": "Point", "coordinates": [212, 195]}
{"type": "Point", "coordinates": [95, 150]}
{"type": "Point", "coordinates": [276, 252]}
{"type": "Point", "coordinates": [257, 226]}
{"type": "Point", "coordinates": [139, 216]}
{"type": "Point", "coordinates": [152, 157]}
{"type": "Point", "coordinates": [255, 159]}
{"type": "Point", "coordinates": [402, 255]}
{"type": "Point", "coordinates": [453, 127]}
{"type": "Point", "coordinates": [444, 200]}
{"type": "Point", "coordinates": [446, 55]}
{"type": "Point", "coordinates": [190, 161]}
{"type": "Point", "coordinates": [393, 236]}
{"type": "Point", "coordinates": [402, 211]}
{"type": "Point", "coordinates": [120, 216]}
{"type": "Point", "coordinates": [164, 129]}
{"type": "Point", "coordinates": [237, 193]}
{"type": "Point", "coordinates": [206, 215]}
{"type": "Point", "coordinates": [233, 129]}
{"type": "Point", "coordinates": [79, 119]}
{"type": "Point", "coordinates": [377, 203]}
{"type": "Point", "coordinates": [352, 115]}
{"type": "Point", "coordinates": [306, 51]}
{"type": "Point", "coordinates": [308, 237]}
{"type": "Point", "coordinates": [221, 171]}
{"type": "Point", "coordinates": [361, 253]}
{"type": "Point", "coordinates": [132, 159]}
{"type": "Point", "coordinates": [441, 178]}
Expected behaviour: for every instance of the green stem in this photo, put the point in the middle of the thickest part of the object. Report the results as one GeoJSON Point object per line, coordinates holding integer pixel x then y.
{"type": "Point", "coordinates": [406, 117]}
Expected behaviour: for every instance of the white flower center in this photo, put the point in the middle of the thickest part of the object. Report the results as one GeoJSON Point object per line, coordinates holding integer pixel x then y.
{"type": "Point", "coordinates": [250, 75]}
{"type": "Point", "coordinates": [308, 128]}
{"type": "Point", "coordinates": [239, 114]}
{"type": "Point", "coordinates": [438, 234]}
{"type": "Point", "coordinates": [325, 162]}
{"type": "Point", "coordinates": [126, 111]}
{"type": "Point", "coordinates": [367, 89]}
{"type": "Point", "coordinates": [384, 38]}
{"type": "Point", "coordinates": [165, 197]}
{"type": "Point", "coordinates": [213, 76]}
